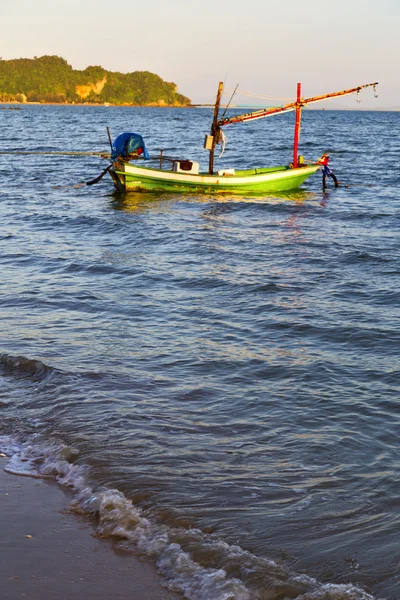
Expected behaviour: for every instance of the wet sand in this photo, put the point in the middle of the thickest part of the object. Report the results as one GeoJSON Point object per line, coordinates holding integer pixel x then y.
{"type": "Point", "coordinates": [47, 553]}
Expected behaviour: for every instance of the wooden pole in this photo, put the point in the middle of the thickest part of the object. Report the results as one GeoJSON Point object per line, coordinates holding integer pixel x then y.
{"type": "Point", "coordinates": [215, 127]}
{"type": "Point", "coordinates": [297, 126]}
{"type": "Point", "coordinates": [109, 137]}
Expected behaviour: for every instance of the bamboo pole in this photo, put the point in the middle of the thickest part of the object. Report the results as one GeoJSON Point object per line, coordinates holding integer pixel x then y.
{"type": "Point", "coordinates": [269, 112]}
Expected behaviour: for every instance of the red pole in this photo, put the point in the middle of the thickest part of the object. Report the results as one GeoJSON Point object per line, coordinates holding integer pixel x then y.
{"type": "Point", "coordinates": [297, 126]}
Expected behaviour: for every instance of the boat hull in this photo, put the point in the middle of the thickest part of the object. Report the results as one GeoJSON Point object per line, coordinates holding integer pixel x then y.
{"type": "Point", "coordinates": [130, 178]}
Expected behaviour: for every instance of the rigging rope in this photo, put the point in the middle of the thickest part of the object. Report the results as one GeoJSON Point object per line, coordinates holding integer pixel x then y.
{"type": "Point", "coordinates": [262, 96]}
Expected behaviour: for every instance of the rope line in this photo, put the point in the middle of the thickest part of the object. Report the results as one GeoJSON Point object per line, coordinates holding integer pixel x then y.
{"type": "Point", "coordinates": [253, 95]}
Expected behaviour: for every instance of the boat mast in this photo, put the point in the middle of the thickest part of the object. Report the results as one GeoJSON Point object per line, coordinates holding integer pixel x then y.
{"type": "Point", "coordinates": [215, 128]}
{"type": "Point", "coordinates": [297, 126]}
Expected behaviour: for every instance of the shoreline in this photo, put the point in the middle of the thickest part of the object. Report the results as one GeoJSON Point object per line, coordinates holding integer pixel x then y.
{"type": "Point", "coordinates": [104, 104]}
{"type": "Point", "coordinates": [190, 106]}
{"type": "Point", "coordinates": [46, 551]}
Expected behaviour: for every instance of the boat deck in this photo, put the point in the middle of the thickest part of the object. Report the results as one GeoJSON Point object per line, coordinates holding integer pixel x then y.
{"type": "Point", "coordinates": [260, 171]}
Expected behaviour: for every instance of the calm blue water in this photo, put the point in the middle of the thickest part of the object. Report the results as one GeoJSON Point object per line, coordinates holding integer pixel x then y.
{"type": "Point", "coordinates": [216, 380]}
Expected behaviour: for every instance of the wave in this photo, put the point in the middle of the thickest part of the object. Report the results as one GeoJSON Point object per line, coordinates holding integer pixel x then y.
{"type": "Point", "coordinates": [198, 565]}
{"type": "Point", "coordinates": [23, 367]}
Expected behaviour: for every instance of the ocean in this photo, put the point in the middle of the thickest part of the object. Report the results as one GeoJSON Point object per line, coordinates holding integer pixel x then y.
{"type": "Point", "coordinates": [216, 380]}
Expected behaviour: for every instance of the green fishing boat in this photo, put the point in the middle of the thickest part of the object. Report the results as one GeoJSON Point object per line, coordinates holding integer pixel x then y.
{"type": "Point", "coordinates": [255, 181]}
{"type": "Point", "coordinates": [184, 176]}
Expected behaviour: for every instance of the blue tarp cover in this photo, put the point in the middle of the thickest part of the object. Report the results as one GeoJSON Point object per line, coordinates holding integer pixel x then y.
{"type": "Point", "coordinates": [128, 143]}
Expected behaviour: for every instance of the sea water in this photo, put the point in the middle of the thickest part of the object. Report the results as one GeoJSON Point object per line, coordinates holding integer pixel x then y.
{"type": "Point", "coordinates": [216, 379]}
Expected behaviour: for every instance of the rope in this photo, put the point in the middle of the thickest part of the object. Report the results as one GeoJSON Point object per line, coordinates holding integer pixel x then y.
{"type": "Point", "coordinates": [252, 95]}
{"type": "Point", "coordinates": [93, 181]}
{"type": "Point", "coordinates": [102, 154]}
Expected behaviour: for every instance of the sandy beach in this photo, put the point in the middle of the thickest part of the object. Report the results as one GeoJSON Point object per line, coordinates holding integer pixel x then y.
{"type": "Point", "coordinates": [47, 553]}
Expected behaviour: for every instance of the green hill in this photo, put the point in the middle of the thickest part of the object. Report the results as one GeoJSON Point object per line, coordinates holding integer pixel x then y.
{"type": "Point", "coordinates": [52, 79]}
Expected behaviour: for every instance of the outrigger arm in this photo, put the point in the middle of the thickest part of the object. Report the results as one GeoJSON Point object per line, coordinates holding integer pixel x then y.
{"type": "Point", "coordinates": [269, 112]}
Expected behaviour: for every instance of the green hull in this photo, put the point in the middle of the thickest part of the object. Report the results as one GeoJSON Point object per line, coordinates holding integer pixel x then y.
{"type": "Point", "coordinates": [254, 181]}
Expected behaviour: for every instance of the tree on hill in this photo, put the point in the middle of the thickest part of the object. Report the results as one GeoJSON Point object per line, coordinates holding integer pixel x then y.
{"type": "Point", "coordinates": [52, 79]}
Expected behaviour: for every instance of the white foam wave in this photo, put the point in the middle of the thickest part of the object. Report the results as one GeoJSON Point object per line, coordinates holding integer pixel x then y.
{"type": "Point", "coordinates": [331, 591]}
{"type": "Point", "coordinates": [117, 517]}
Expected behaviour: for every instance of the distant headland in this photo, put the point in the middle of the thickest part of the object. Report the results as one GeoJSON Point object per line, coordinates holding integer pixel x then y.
{"type": "Point", "coordinates": [50, 79]}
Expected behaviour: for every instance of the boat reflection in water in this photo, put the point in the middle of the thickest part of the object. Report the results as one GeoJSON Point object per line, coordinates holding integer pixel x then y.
{"type": "Point", "coordinates": [141, 202]}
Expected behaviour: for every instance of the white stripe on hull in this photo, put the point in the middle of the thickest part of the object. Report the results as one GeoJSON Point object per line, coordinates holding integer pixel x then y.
{"type": "Point", "coordinates": [225, 181]}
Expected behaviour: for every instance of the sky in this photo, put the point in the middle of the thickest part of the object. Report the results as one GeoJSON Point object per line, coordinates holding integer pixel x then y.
{"type": "Point", "coordinates": [265, 46]}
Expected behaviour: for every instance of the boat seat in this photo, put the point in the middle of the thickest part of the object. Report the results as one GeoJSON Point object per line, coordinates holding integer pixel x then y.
{"type": "Point", "coordinates": [226, 172]}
